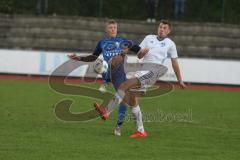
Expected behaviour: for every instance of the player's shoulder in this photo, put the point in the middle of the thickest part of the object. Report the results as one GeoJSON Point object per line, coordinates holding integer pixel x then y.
{"type": "Point", "coordinates": [169, 41]}
{"type": "Point", "coordinates": [150, 36]}
{"type": "Point", "coordinates": [102, 40]}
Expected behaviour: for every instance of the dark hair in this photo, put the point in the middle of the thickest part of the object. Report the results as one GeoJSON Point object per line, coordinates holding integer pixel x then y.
{"type": "Point", "coordinates": [164, 21]}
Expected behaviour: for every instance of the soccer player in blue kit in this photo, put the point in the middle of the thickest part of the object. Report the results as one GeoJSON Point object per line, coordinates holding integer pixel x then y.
{"type": "Point", "coordinates": [110, 47]}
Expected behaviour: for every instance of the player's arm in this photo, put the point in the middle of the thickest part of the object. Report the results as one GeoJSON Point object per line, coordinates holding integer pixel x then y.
{"type": "Point", "coordinates": [89, 58]}
{"type": "Point", "coordinates": [143, 48]}
{"type": "Point", "coordinates": [116, 60]}
{"type": "Point", "coordinates": [142, 53]}
{"type": "Point", "coordinates": [177, 72]}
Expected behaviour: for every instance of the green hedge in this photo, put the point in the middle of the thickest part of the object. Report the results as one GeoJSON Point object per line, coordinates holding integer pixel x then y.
{"type": "Point", "coordinates": [195, 10]}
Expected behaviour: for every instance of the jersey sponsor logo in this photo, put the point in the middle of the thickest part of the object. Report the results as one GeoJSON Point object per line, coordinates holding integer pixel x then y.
{"type": "Point", "coordinates": [111, 48]}
{"type": "Point", "coordinates": [109, 45]}
{"type": "Point", "coordinates": [111, 53]}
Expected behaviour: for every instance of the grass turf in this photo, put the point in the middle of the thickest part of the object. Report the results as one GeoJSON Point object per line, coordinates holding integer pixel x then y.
{"type": "Point", "coordinates": [29, 128]}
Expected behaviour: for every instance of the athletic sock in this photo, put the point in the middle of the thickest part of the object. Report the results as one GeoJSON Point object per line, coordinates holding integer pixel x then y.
{"type": "Point", "coordinates": [118, 97]}
{"type": "Point", "coordinates": [121, 115]}
{"type": "Point", "coordinates": [137, 114]}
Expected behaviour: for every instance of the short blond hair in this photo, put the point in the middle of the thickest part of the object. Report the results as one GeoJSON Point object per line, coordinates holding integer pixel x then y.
{"type": "Point", "coordinates": [111, 21]}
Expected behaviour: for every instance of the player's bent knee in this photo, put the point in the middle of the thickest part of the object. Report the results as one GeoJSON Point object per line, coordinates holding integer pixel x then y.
{"type": "Point", "coordinates": [131, 83]}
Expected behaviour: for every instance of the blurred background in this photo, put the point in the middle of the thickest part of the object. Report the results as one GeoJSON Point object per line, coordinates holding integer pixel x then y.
{"type": "Point", "coordinates": [205, 29]}
{"type": "Point", "coordinates": [224, 11]}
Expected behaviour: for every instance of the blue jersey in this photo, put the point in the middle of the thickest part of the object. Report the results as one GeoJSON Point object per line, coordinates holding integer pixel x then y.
{"type": "Point", "coordinates": [110, 47]}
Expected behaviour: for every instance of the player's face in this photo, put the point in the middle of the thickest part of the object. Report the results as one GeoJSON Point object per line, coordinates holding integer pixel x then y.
{"type": "Point", "coordinates": [111, 30]}
{"type": "Point", "coordinates": [163, 30]}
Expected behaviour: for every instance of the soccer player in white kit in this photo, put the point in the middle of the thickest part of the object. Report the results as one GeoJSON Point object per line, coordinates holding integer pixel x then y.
{"type": "Point", "coordinates": [160, 47]}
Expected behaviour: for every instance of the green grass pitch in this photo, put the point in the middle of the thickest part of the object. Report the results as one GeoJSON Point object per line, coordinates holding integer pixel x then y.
{"type": "Point", "coordinates": [29, 128]}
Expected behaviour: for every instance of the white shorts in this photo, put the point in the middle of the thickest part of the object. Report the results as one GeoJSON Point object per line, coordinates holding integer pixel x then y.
{"type": "Point", "coordinates": [136, 75]}
{"type": "Point", "coordinates": [149, 78]}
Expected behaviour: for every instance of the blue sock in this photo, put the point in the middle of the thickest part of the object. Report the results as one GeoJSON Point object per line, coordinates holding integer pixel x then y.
{"type": "Point", "coordinates": [121, 114]}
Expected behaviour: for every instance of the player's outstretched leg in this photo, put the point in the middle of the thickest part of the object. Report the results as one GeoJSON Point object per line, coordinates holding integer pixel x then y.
{"type": "Point", "coordinates": [119, 96]}
{"type": "Point", "coordinates": [102, 111]}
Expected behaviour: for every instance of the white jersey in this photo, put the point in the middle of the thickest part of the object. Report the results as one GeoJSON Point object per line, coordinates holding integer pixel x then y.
{"type": "Point", "coordinates": [159, 50]}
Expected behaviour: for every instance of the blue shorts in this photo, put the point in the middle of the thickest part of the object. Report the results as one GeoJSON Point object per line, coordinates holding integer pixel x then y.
{"type": "Point", "coordinates": [117, 76]}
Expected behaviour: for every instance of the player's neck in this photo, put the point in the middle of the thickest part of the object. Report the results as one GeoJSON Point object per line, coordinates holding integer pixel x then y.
{"type": "Point", "coordinates": [160, 38]}
{"type": "Point", "coordinates": [110, 37]}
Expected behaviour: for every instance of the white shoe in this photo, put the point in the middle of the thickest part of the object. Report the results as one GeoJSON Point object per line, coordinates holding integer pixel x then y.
{"type": "Point", "coordinates": [102, 88]}
{"type": "Point", "coordinates": [117, 131]}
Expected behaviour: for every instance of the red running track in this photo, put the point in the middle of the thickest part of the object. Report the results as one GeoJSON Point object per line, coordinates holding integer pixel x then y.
{"type": "Point", "coordinates": [78, 80]}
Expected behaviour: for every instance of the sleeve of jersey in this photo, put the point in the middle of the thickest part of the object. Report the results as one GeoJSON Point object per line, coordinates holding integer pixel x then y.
{"type": "Point", "coordinates": [135, 48]}
{"type": "Point", "coordinates": [132, 46]}
{"type": "Point", "coordinates": [172, 52]}
{"type": "Point", "coordinates": [98, 49]}
{"type": "Point", "coordinates": [143, 44]}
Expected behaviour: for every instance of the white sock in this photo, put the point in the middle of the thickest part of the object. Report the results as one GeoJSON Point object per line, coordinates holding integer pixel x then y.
{"type": "Point", "coordinates": [118, 97]}
{"type": "Point", "coordinates": [138, 118]}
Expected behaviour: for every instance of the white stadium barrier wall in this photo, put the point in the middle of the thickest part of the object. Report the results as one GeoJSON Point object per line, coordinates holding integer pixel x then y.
{"type": "Point", "coordinates": [193, 70]}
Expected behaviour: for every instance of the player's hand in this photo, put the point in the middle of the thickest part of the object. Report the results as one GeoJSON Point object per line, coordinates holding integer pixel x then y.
{"type": "Point", "coordinates": [73, 56]}
{"type": "Point", "coordinates": [182, 85]}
